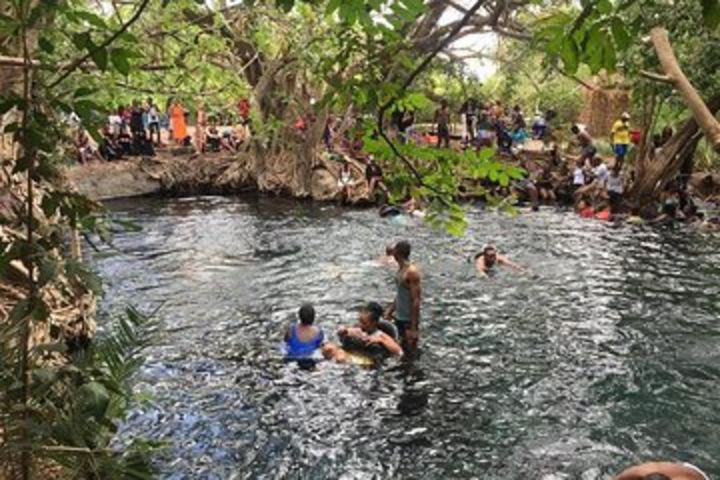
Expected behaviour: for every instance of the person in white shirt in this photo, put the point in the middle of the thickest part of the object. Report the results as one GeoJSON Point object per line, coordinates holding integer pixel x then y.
{"type": "Point", "coordinates": [600, 171]}
{"type": "Point", "coordinates": [578, 176]}
{"type": "Point", "coordinates": [615, 187]}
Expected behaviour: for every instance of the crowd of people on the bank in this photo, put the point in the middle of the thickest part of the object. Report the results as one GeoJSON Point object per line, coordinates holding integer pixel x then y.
{"type": "Point", "coordinates": [482, 125]}
{"type": "Point", "coordinates": [140, 128]}
{"type": "Point", "coordinates": [595, 187]}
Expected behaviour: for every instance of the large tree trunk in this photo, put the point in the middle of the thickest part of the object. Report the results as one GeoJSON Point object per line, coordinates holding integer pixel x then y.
{"type": "Point", "coordinates": [653, 172]}
{"type": "Point", "coordinates": [674, 74]}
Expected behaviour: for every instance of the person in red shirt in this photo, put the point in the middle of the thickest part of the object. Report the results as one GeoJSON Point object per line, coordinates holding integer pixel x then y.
{"type": "Point", "coordinates": [585, 210]}
{"type": "Point", "coordinates": [244, 110]}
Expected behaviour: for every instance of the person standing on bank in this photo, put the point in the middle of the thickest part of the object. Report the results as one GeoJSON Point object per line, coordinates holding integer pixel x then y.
{"type": "Point", "coordinates": [620, 136]}
{"type": "Point", "coordinates": [406, 307]}
{"type": "Point", "coordinates": [442, 121]}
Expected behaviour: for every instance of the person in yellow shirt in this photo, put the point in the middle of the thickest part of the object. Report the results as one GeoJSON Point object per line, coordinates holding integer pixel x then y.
{"type": "Point", "coordinates": [620, 136]}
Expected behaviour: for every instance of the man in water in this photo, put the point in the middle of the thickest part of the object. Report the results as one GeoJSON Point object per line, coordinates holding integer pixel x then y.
{"type": "Point", "coordinates": [366, 337]}
{"type": "Point", "coordinates": [663, 471]}
{"type": "Point", "coordinates": [488, 258]}
{"type": "Point", "coordinates": [406, 307]}
{"type": "Point", "coordinates": [388, 260]}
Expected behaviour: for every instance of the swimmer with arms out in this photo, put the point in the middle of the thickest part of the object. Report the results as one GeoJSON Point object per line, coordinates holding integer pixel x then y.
{"type": "Point", "coordinates": [663, 471]}
{"type": "Point", "coordinates": [488, 258]}
{"type": "Point", "coordinates": [406, 306]}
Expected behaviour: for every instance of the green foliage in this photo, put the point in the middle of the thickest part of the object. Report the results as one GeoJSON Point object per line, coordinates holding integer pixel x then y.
{"type": "Point", "coordinates": [59, 403]}
{"type": "Point", "coordinates": [443, 172]}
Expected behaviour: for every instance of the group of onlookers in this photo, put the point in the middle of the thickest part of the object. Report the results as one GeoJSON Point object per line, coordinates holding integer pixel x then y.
{"type": "Point", "coordinates": [137, 130]}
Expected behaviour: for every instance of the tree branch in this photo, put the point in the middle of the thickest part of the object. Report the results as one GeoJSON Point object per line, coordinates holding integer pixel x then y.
{"type": "Point", "coordinates": [704, 117]}
{"type": "Point", "coordinates": [657, 77]}
{"type": "Point", "coordinates": [74, 65]}
{"type": "Point", "coordinates": [411, 78]}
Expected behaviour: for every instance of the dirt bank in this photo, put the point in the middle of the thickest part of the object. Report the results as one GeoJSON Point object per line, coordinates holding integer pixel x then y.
{"type": "Point", "coordinates": [179, 173]}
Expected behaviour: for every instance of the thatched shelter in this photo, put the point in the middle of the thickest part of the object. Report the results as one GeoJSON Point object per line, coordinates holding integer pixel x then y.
{"type": "Point", "coordinates": [602, 106]}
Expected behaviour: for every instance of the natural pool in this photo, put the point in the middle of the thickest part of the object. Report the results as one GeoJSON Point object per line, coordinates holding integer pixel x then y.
{"type": "Point", "coordinates": [606, 355]}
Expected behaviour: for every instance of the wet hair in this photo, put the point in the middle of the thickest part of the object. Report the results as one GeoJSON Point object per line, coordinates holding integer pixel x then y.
{"type": "Point", "coordinates": [389, 249]}
{"type": "Point", "coordinates": [306, 314]}
{"type": "Point", "coordinates": [375, 311]}
{"type": "Point", "coordinates": [402, 249]}
{"type": "Point", "coordinates": [656, 476]}
{"type": "Point", "coordinates": [485, 248]}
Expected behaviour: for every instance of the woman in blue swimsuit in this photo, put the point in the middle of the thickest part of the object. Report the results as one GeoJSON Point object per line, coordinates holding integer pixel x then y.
{"type": "Point", "coordinates": [303, 339]}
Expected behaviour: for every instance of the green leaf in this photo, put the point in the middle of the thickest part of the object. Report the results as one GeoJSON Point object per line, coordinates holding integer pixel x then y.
{"type": "Point", "coordinates": [92, 19]}
{"type": "Point", "coordinates": [85, 109]}
{"type": "Point", "coordinates": [604, 6]}
{"type": "Point", "coordinates": [609, 57]}
{"type": "Point", "coordinates": [100, 57]}
{"type": "Point", "coordinates": [82, 41]}
{"type": "Point", "coordinates": [569, 55]}
{"type": "Point", "coordinates": [333, 6]}
{"type": "Point", "coordinates": [285, 5]}
{"type": "Point", "coordinates": [46, 45]}
{"type": "Point", "coordinates": [711, 12]}
{"type": "Point", "coordinates": [84, 92]}
{"type": "Point", "coordinates": [8, 103]}
{"type": "Point", "coordinates": [119, 59]}
{"type": "Point", "coordinates": [620, 33]}
{"type": "Point", "coordinates": [48, 270]}
{"type": "Point", "coordinates": [93, 399]}
{"type": "Point", "coordinates": [8, 25]}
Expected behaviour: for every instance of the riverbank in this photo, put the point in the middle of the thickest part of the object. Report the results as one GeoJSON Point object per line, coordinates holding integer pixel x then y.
{"type": "Point", "coordinates": [180, 172]}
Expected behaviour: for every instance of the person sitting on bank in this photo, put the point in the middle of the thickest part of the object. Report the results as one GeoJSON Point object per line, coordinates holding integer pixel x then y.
{"type": "Point", "coordinates": [663, 471]}
{"type": "Point", "coordinates": [586, 143]}
{"type": "Point", "coordinates": [367, 337]}
{"type": "Point", "coordinates": [109, 147]}
{"type": "Point", "coordinates": [488, 258]}
{"type": "Point", "coordinates": [374, 176]}
{"type": "Point", "coordinates": [86, 152]}
{"type": "Point", "coordinates": [212, 136]}
{"type": "Point", "coordinates": [303, 339]}
{"type": "Point", "coordinates": [615, 187]}
{"type": "Point", "coordinates": [345, 182]}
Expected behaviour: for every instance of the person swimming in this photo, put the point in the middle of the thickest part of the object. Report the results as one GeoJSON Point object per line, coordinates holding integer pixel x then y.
{"type": "Point", "coordinates": [303, 339]}
{"type": "Point", "coordinates": [663, 471]}
{"type": "Point", "coordinates": [488, 258]}
{"type": "Point", "coordinates": [388, 260]}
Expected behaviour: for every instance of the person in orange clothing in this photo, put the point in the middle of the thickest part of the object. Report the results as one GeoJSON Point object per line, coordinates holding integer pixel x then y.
{"type": "Point", "coordinates": [177, 122]}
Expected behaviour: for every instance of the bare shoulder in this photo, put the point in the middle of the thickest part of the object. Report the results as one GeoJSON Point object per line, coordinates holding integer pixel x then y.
{"type": "Point", "coordinates": [412, 274]}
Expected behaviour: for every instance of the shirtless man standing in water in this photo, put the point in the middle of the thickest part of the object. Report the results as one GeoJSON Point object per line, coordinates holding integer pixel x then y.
{"type": "Point", "coordinates": [406, 307]}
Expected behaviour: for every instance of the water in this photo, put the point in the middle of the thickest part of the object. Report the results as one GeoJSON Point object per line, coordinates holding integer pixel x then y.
{"type": "Point", "coordinates": [606, 355]}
